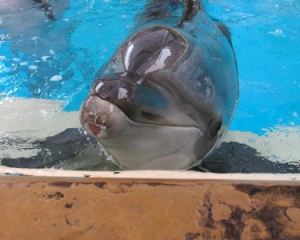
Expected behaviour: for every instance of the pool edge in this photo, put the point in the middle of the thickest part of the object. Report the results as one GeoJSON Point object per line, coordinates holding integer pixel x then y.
{"type": "Point", "coordinates": [55, 204]}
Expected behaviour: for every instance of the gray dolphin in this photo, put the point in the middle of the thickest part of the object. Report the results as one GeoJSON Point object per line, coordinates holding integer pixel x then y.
{"type": "Point", "coordinates": [168, 94]}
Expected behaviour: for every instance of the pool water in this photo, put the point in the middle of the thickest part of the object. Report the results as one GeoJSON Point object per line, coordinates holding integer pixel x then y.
{"type": "Point", "coordinates": [57, 60]}
{"type": "Point", "coordinates": [266, 41]}
{"type": "Point", "coordinates": [47, 68]}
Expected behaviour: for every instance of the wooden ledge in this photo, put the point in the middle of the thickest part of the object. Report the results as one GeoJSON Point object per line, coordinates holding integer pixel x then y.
{"type": "Point", "coordinates": [54, 204]}
{"type": "Point", "coordinates": [148, 174]}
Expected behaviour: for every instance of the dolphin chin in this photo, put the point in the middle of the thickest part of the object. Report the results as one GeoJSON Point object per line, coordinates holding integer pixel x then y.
{"type": "Point", "coordinates": [136, 145]}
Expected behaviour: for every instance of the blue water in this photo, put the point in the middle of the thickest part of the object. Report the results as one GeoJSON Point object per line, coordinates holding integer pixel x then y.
{"type": "Point", "coordinates": [266, 38]}
{"type": "Point", "coordinates": [57, 60]}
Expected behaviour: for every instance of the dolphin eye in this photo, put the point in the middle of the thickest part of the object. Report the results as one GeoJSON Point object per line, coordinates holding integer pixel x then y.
{"type": "Point", "coordinates": [213, 126]}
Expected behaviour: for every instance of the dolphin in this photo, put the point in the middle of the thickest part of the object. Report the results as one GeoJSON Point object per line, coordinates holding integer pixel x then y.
{"type": "Point", "coordinates": [169, 93]}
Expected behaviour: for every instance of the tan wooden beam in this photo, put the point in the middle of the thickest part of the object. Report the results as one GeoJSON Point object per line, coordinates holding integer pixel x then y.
{"type": "Point", "coordinates": [53, 204]}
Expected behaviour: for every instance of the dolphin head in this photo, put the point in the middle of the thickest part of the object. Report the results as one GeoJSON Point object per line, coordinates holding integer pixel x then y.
{"type": "Point", "coordinates": [142, 114]}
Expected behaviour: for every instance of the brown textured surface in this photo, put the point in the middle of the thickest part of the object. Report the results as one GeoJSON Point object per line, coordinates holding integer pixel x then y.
{"type": "Point", "coordinates": [108, 208]}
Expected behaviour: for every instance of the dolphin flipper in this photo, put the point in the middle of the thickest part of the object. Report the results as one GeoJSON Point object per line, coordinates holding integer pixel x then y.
{"type": "Point", "coordinates": [46, 7]}
{"type": "Point", "coordinates": [224, 29]}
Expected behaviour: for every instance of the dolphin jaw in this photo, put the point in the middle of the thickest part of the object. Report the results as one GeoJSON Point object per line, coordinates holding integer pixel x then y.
{"type": "Point", "coordinates": [135, 145]}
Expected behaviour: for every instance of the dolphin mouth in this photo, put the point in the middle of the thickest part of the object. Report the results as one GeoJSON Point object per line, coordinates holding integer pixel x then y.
{"type": "Point", "coordinates": [98, 124]}
{"type": "Point", "coordinates": [102, 118]}
{"type": "Point", "coordinates": [96, 128]}
{"type": "Point", "coordinates": [95, 115]}
{"type": "Point", "coordinates": [93, 128]}
{"type": "Point", "coordinates": [94, 121]}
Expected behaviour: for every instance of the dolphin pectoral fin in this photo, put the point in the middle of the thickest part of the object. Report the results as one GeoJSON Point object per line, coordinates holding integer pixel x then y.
{"type": "Point", "coordinates": [224, 29]}
{"type": "Point", "coordinates": [44, 5]}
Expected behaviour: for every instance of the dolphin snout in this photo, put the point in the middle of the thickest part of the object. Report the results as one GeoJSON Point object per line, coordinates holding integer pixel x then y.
{"type": "Point", "coordinates": [94, 115]}
{"type": "Point", "coordinates": [101, 118]}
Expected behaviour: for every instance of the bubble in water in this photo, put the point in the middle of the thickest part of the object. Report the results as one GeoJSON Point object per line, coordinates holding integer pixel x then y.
{"type": "Point", "coordinates": [23, 63]}
{"type": "Point", "coordinates": [45, 58]}
{"type": "Point", "coordinates": [32, 67]}
{"type": "Point", "coordinates": [295, 115]}
{"type": "Point", "coordinates": [277, 33]}
{"type": "Point", "coordinates": [56, 78]}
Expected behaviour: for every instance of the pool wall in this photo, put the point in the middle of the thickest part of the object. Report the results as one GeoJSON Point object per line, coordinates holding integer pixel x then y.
{"type": "Point", "coordinates": [53, 204]}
